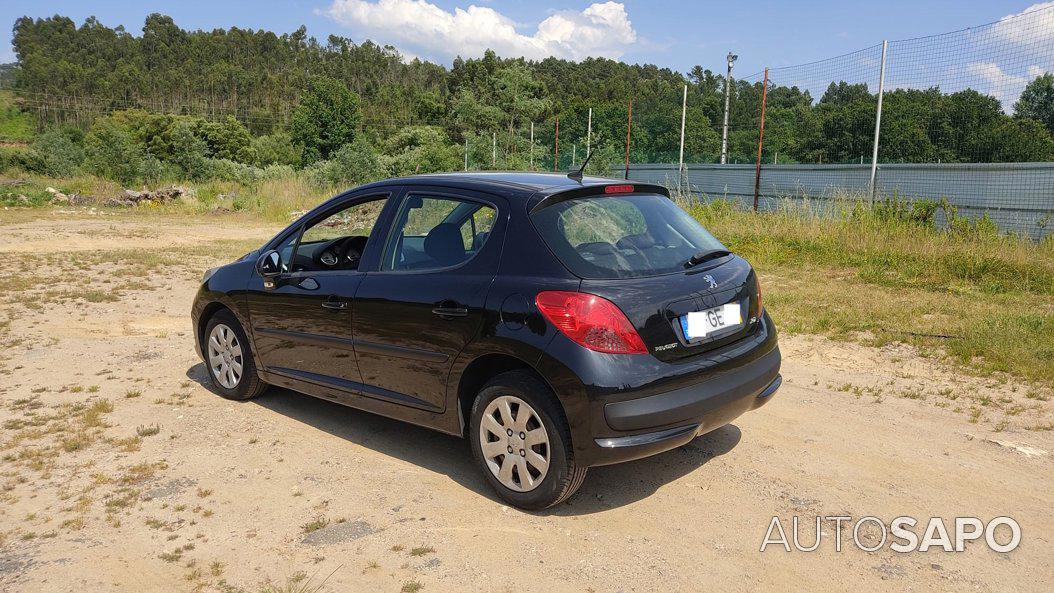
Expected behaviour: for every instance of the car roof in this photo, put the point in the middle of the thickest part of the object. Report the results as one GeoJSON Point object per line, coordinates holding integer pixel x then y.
{"type": "Point", "coordinates": [512, 182]}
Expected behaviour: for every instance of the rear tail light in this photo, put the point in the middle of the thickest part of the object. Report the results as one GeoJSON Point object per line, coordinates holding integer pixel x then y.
{"type": "Point", "coordinates": [591, 321]}
{"type": "Point", "coordinates": [757, 285]}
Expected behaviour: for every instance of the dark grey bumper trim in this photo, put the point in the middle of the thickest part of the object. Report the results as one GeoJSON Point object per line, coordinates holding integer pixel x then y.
{"type": "Point", "coordinates": [637, 440]}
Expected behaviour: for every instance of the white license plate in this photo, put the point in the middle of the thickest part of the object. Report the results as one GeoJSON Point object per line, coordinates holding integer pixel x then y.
{"type": "Point", "coordinates": [700, 324]}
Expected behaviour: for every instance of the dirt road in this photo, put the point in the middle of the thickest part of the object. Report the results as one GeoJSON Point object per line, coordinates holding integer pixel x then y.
{"type": "Point", "coordinates": [121, 472]}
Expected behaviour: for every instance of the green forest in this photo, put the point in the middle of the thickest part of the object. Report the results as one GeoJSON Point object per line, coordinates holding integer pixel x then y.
{"type": "Point", "coordinates": [239, 104]}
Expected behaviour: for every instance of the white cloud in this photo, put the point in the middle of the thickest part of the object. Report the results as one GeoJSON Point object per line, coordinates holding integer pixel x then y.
{"type": "Point", "coordinates": [1035, 30]}
{"type": "Point", "coordinates": [1025, 37]}
{"type": "Point", "coordinates": [602, 29]}
{"type": "Point", "coordinates": [1003, 85]}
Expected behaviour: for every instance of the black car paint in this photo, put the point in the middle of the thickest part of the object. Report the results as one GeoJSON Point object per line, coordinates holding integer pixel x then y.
{"type": "Point", "coordinates": [387, 352]}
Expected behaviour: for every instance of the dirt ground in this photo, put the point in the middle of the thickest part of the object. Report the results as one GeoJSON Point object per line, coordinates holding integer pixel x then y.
{"type": "Point", "coordinates": [122, 472]}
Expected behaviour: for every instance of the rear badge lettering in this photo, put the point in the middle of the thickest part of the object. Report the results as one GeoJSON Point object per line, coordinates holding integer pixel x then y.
{"type": "Point", "coordinates": [666, 347]}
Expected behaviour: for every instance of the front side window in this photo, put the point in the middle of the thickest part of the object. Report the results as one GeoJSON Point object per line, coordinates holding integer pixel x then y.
{"type": "Point", "coordinates": [338, 241]}
{"type": "Point", "coordinates": [437, 232]}
{"type": "Point", "coordinates": [622, 237]}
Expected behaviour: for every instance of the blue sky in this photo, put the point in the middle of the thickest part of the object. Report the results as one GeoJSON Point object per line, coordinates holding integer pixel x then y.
{"type": "Point", "coordinates": [676, 34]}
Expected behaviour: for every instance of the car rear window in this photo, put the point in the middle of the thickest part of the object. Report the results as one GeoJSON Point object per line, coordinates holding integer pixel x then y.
{"type": "Point", "coordinates": [627, 236]}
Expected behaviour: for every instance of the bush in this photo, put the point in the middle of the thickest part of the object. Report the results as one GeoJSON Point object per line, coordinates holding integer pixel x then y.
{"type": "Point", "coordinates": [228, 170]}
{"type": "Point", "coordinates": [20, 158]}
{"type": "Point", "coordinates": [59, 155]}
{"type": "Point", "coordinates": [354, 164]}
{"type": "Point", "coordinates": [274, 149]}
{"type": "Point", "coordinates": [229, 140]}
{"type": "Point", "coordinates": [421, 149]}
{"type": "Point", "coordinates": [112, 152]}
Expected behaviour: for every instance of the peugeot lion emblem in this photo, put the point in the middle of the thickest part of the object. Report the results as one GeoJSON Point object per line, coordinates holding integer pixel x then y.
{"type": "Point", "coordinates": [710, 279]}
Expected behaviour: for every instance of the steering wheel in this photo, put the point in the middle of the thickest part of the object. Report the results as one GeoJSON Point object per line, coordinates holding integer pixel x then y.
{"type": "Point", "coordinates": [342, 253]}
{"type": "Point", "coordinates": [351, 251]}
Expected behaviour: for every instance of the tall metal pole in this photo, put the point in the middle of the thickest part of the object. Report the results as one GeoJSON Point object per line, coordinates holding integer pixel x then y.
{"type": "Point", "coordinates": [589, 131]}
{"type": "Point", "coordinates": [556, 154]}
{"type": "Point", "coordinates": [494, 150]}
{"type": "Point", "coordinates": [573, 147]}
{"type": "Point", "coordinates": [761, 140]}
{"type": "Point", "coordinates": [466, 152]}
{"type": "Point", "coordinates": [728, 93]}
{"type": "Point", "coordinates": [680, 159]}
{"type": "Point", "coordinates": [878, 120]}
{"type": "Point", "coordinates": [629, 128]}
{"type": "Point", "coordinates": [532, 146]}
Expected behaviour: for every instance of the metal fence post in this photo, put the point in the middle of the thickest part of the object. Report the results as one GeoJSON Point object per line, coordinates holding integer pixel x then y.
{"type": "Point", "coordinates": [680, 160]}
{"type": "Point", "coordinates": [556, 146]}
{"type": "Point", "coordinates": [872, 188]}
{"type": "Point", "coordinates": [532, 146]}
{"type": "Point", "coordinates": [589, 131]}
{"type": "Point", "coordinates": [761, 139]}
{"type": "Point", "coordinates": [629, 128]}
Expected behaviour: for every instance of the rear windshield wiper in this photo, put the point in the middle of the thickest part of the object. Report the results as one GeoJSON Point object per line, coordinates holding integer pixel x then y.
{"type": "Point", "coordinates": [702, 256]}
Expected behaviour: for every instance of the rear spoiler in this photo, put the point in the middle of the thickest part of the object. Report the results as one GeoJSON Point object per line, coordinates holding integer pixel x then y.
{"type": "Point", "coordinates": [601, 189]}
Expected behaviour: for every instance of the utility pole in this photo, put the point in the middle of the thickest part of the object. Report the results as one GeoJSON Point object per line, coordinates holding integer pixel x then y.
{"type": "Point", "coordinates": [680, 159]}
{"type": "Point", "coordinates": [573, 146]}
{"type": "Point", "coordinates": [878, 120]}
{"type": "Point", "coordinates": [728, 93]}
{"type": "Point", "coordinates": [494, 150]}
{"type": "Point", "coordinates": [466, 152]}
{"type": "Point", "coordinates": [589, 131]}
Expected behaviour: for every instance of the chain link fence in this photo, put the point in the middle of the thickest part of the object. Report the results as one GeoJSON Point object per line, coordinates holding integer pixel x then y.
{"type": "Point", "coordinates": [965, 118]}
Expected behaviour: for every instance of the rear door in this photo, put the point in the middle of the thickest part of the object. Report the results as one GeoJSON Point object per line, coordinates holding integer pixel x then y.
{"type": "Point", "coordinates": [424, 302]}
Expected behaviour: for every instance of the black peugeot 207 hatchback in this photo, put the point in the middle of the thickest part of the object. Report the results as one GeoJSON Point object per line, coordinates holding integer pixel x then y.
{"type": "Point", "coordinates": [556, 322]}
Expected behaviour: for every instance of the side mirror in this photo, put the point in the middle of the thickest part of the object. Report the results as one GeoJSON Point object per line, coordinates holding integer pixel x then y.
{"type": "Point", "coordinates": [270, 264]}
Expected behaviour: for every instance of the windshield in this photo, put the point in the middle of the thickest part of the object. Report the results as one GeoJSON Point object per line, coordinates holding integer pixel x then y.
{"type": "Point", "coordinates": [622, 237]}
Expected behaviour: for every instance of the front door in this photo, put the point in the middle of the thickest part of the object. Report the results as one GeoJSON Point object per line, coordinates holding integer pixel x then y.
{"type": "Point", "coordinates": [302, 322]}
{"type": "Point", "coordinates": [425, 302]}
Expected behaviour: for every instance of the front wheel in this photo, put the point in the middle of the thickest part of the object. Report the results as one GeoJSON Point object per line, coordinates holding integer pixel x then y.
{"type": "Point", "coordinates": [521, 441]}
{"type": "Point", "coordinates": [229, 360]}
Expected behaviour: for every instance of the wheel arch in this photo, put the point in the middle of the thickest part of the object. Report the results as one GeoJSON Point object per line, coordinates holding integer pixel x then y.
{"type": "Point", "coordinates": [484, 368]}
{"type": "Point", "coordinates": [207, 313]}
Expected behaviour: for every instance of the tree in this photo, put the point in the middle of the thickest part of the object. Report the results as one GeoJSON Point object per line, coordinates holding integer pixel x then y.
{"type": "Point", "coordinates": [1015, 140]}
{"type": "Point", "coordinates": [189, 152]}
{"type": "Point", "coordinates": [1037, 101]}
{"type": "Point", "coordinates": [327, 118]}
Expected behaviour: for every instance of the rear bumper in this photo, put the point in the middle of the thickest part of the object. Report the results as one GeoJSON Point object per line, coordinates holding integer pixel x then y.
{"type": "Point", "coordinates": [622, 408]}
{"type": "Point", "coordinates": [712, 413]}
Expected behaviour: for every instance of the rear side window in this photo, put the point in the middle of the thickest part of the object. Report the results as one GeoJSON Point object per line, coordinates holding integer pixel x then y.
{"type": "Point", "coordinates": [622, 237]}
{"type": "Point", "coordinates": [437, 232]}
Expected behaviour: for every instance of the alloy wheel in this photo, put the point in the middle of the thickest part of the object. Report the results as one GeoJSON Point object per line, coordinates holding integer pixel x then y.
{"type": "Point", "coordinates": [515, 444]}
{"type": "Point", "coordinates": [225, 356]}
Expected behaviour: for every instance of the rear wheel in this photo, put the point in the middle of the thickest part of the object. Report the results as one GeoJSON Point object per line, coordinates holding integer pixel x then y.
{"type": "Point", "coordinates": [521, 441]}
{"type": "Point", "coordinates": [228, 359]}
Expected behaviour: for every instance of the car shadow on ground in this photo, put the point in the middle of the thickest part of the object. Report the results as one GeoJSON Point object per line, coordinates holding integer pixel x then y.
{"type": "Point", "coordinates": [605, 488]}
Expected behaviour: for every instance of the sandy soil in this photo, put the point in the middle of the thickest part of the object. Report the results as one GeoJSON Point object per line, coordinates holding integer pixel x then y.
{"type": "Point", "coordinates": [227, 496]}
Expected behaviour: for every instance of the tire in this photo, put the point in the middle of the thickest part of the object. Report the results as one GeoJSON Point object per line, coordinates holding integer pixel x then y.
{"type": "Point", "coordinates": [246, 384]}
{"type": "Point", "coordinates": [535, 491]}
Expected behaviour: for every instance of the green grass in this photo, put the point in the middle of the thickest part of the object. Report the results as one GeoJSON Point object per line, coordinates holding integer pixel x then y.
{"type": "Point", "coordinates": [15, 126]}
{"type": "Point", "coordinates": [983, 300]}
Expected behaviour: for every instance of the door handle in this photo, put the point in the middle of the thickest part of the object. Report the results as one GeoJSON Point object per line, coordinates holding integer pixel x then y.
{"type": "Point", "coordinates": [335, 303]}
{"type": "Point", "coordinates": [450, 312]}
